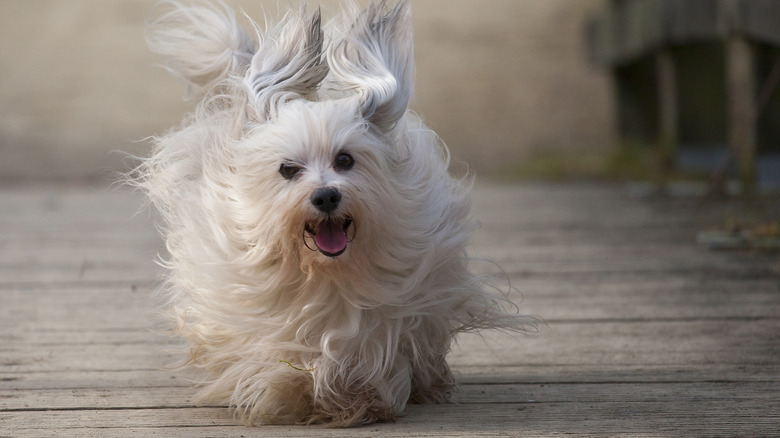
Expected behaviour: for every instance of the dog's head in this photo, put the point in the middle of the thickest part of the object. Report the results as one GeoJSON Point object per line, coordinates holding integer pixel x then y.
{"type": "Point", "coordinates": [324, 132]}
{"type": "Point", "coordinates": [305, 131]}
{"type": "Point", "coordinates": [315, 177]}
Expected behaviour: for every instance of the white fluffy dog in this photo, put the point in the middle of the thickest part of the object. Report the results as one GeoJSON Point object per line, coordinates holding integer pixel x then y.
{"type": "Point", "coordinates": [317, 242]}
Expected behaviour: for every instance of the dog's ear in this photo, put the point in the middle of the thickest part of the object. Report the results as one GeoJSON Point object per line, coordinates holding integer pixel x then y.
{"type": "Point", "coordinates": [375, 58]}
{"type": "Point", "coordinates": [289, 64]}
{"type": "Point", "coordinates": [202, 42]}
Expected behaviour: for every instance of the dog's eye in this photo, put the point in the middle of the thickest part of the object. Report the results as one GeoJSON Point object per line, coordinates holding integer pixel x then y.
{"type": "Point", "coordinates": [344, 161]}
{"type": "Point", "coordinates": [288, 171]}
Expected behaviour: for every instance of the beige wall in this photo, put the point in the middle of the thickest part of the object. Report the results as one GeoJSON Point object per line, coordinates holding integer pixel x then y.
{"type": "Point", "coordinates": [497, 79]}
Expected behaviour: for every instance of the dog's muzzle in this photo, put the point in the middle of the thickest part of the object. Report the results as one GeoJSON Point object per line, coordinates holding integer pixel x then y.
{"type": "Point", "coordinates": [329, 234]}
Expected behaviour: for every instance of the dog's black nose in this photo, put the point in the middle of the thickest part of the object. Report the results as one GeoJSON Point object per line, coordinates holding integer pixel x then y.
{"type": "Point", "coordinates": [326, 199]}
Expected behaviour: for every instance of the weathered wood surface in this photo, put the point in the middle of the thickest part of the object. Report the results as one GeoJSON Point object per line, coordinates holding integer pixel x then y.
{"type": "Point", "coordinates": [647, 333]}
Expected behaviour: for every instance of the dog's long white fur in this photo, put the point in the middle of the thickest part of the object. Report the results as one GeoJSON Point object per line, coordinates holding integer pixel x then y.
{"type": "Point", "coordinates": [286, 334]}
{"type": "Point", "coordinates": [201, 41]}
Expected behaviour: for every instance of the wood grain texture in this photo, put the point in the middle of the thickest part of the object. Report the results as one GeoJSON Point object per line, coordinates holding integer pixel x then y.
{"type": "Point", "coordinates": [646, 333]}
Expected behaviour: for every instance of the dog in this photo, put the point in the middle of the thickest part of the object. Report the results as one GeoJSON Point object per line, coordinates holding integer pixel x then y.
{"type": "Point", "coordinates": [317, 263]}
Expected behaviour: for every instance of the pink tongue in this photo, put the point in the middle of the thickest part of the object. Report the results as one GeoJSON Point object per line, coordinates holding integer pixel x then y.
{"type": "Point", "coordinates": [331, 237]}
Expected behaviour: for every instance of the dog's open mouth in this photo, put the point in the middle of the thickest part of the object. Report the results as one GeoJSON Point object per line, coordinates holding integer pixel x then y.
{"type": "Point", "coordinates": [330, 235]}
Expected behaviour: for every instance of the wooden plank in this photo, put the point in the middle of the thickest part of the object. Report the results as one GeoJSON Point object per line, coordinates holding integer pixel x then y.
{"type": "Point", "coordinates": [54, 313]}
{"type": "Point", "coordinates": [475, 393]}
{"type": "Point", "coordinates": [68, 380]}
{"type": "Point", "coordinates": [669, 417]}
{"type": "Point", "coordinates": [168, 396]}
{"type": "Point", "coordinates": [71, 202]}
{"type": "Point", "coordinates": [76, 271]}
{"type": "Point", "coordinates": [660, 374]}
{"type": "Point", "coordinates": [625, 342]}
{"type": "Point", "coordinates": [96, 398]}
{"type": "Point", "coordinates": [125, 307]}
{"type": "Point", "coordinates": [493, 374]}
{"type": "Point", "coordinates": [608, 342]}
{"type": "Point", "coordinates": [688, 260]}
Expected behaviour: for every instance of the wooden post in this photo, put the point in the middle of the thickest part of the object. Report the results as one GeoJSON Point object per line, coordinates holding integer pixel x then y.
{"type": "Point", "coordinates": [740, 91]}
{"type": "Point", "coordinates": [668, 138]}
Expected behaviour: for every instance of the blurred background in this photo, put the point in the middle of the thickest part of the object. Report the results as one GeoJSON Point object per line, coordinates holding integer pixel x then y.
{"type": "Point", "coordinates": [516, 88]}
{"type": "Point", "coordinates": [499, 80]}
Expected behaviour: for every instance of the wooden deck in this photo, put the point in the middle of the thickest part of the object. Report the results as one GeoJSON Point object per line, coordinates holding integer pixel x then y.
{"type": "Point", "coordinates": [648, 333]}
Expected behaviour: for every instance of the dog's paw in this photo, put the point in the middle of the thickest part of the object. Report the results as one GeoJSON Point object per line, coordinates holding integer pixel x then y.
{"type": "Point", "coordinates": [287, 400]}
